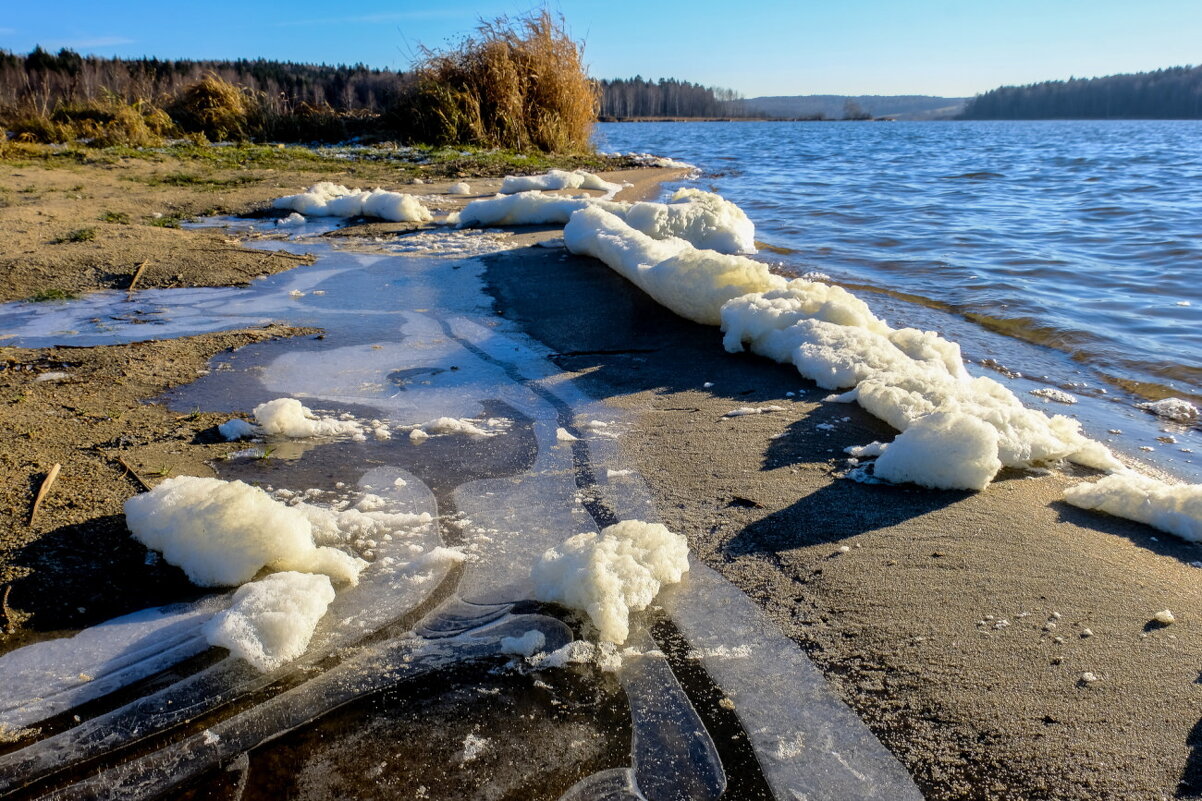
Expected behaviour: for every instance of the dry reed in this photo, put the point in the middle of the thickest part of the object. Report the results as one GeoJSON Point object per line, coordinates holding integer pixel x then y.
{"type": "Point", "coordinates": [215, 108]}
{"type": "Point", "coordinates": [518, 84]}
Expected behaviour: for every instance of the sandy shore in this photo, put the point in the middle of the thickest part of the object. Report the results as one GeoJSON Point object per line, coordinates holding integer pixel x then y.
{"type": "Point", "coordinates": [74, 565]}
{"type": "Point", "coordinates": [955, 623]}
{"type": "Point", "coordinates": [940, 623]}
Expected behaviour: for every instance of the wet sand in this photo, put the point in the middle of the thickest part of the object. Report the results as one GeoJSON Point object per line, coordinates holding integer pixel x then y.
{"type": "Point", "coordinates": [939, 623]}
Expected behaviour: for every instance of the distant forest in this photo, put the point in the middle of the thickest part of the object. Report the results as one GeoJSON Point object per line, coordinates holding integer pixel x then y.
{"type": "Point", "coordinates": [1174, 93]}
{"type": "Point", "coordinates": [668, 97]}
{"type": "Point", "coordinates": [44, 80]}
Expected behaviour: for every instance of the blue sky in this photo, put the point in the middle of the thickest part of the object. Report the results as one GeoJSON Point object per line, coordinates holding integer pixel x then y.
{"type": "Point", "coordinates": [757, 47]}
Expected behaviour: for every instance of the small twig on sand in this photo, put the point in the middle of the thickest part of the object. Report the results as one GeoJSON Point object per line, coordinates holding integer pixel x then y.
{"type": "Point", "coordinates": [45, 488]}
{"type": "Point", "coordinates": [6, 612]}
{"type": "Point", "coordinates": [137, 274]}
{"type": "Point", "coordinates": [134, 473]}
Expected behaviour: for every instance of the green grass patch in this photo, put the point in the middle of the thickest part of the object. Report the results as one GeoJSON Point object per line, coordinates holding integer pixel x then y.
{"type": "Point", "coordinates": [166, 221]}
{"type": "Point", "coordinates": [118, 217]}
{"type": "Point", "coordinates": [78, 235]}
{"type": "Point", "coordinates": [44, 295]}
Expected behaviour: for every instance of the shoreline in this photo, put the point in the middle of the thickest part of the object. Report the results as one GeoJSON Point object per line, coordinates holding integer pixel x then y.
{"type": "Point", "coordinates": [904, 625]}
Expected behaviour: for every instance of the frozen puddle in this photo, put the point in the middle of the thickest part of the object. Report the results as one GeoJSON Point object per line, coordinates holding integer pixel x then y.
{"type": "Point", "coordinates": [411, 686]}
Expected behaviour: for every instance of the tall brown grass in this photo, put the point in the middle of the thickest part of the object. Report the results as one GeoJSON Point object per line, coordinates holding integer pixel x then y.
{"type": "Point", "coordinates": [518, 84]}
{"type": "Point", "coordinates": [103, 123]}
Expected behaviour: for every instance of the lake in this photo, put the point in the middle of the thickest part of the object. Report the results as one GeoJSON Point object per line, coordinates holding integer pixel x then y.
{"type": "Point", "coordinates": [1067, 251]}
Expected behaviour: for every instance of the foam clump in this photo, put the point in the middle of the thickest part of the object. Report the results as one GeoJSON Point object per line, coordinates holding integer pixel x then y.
{"type": "Point", "coordinates": [704, 219]}
{"type": "Point", "coordinates": [1173, 508]}
{"type": "Point", "coordinates": [288, 417]}
{"type": "Point", "coordinates": [556, 179]}
{"type": "Point", "coordinates": [942, 451]}
{"type": "Point", "coordinates": [1178, 410]}
{"type": "Point", "coordinates": [461, 188]}
{"type": "Point", "coordinates": [529, 208]}
{"type": "Point", "coordinates": [611, 574]}
{"type": "Point", "coordinates": [451, 425]}
{"type": "Point", "coordinates": [270, 621]}
{"type": "Point", "coordinates": [236, 429]}
{"type": "Point", "coordinates": [690, 282]}
{"type": "Point", "coordinates": [528, 644]}
{"type": "Point", "coordinates": [222, 533]}
{"type": "Point", "coordinates": [326, 199]}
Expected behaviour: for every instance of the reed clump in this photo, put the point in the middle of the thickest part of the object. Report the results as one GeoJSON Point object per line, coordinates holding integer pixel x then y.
{"type": "Point", "coordinates": [217, 109]}
{"type": "Point", "coordinates": [517, 84]}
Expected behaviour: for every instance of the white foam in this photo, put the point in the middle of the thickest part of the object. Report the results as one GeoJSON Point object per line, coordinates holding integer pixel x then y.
{"type": "Point", "coordinates": [528, 644]}
{"type": "Point", "coordinates": [1056, 395]}
{"type": "Point", "coordinates": [461, 188]}
{"type": "Point", "coordinates": [1176, 409]}
{"type": "Point", "coordinates": [327, 199]}
{"type": "Point", "coordinates": [611, 574]}
{"type": "Point", "coordinates": [237, 428]}
{"type": "Point", "coordinates": [271, 621]}
{"type": "Point", "coordinates": [704, 219]}
{"type": "Point", "coordinates": [528, 208]}
{"type": "Point", "coordinates": [744, 411]}
{"type": "Point", "coordinates": [1176, 509]}
{"type": "Point", "coordinates": [692, 283]}
{"type": "Point", "coordinates": [944, 450]}
{"type": "Point", "coordinates": [453, 425]}
{"type": "Point", "coordinates": [221, 533]}
{"type": "Point", "coordinates": [290, 418]}
{"type": "Point", "coordinates": [556, 179]}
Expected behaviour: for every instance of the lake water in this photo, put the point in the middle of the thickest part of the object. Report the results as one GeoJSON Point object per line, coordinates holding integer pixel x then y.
{"type": "Point", "coordinates": [1068, 251]}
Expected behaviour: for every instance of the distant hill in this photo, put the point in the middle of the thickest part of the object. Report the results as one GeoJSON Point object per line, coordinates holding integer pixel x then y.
{"type": "Point", "coordinates": [1169, 94]}
{"type": "Point", "coordinates": [835, 107]}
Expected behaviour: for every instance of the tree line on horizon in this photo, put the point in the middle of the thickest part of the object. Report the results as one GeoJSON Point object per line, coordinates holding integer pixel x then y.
{"type": "Point", "coordinates": [625, 98]}
{"type": "Point", "coordinates": [43, 80]}
{"type": "Point", "coordinates": [1172, 93]}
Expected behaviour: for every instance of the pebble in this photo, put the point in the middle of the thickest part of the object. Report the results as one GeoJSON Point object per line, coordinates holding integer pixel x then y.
{"type": "Point", "coordinates": [1086, 632]}
{"type": "Point", "coordinates": [1165, 617]}
{"type": "Point", "coordinates": [1090, 678]}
